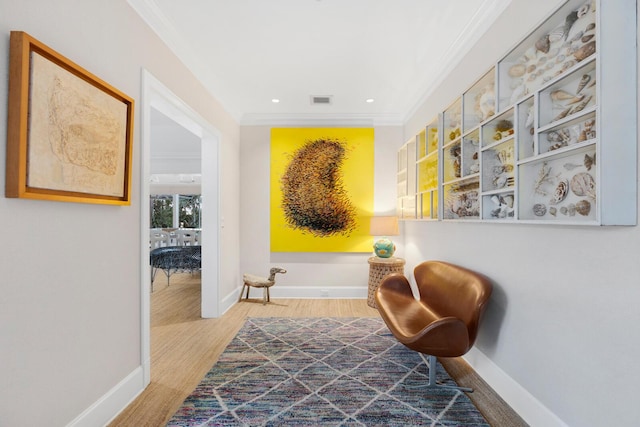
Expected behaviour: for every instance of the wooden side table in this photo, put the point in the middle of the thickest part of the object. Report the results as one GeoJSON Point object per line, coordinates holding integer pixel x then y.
{"type": "Point", "coordinates": [378, 269]}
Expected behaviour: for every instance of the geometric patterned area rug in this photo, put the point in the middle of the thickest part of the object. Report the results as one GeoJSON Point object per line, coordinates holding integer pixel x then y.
{"type": "Point", "coordinates": [322, 372]}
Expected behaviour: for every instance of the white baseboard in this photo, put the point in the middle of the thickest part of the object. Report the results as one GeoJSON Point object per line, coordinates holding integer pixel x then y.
{"type": "Point", "coordinates": [112, 403]}
{"type": "Point", "coordinates": [227, 302]}
{"type": "Point", "coordinates": [317, 292]}
{"type": "Point", "coordinates": [301, 292]}
{"type": "Point", "coordinates": [524, 403]}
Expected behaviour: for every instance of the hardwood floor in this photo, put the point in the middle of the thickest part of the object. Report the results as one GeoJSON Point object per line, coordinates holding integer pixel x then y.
{"type": "Point", "coordinates": [185, 346]}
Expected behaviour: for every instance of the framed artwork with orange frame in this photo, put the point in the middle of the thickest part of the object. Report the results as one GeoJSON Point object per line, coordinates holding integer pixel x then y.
{"type": "Point", "coordinates": [69, 133]}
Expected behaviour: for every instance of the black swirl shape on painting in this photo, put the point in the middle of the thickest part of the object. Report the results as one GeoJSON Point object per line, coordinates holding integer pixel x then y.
{"type": "Point", "coordinates": [313, 196]}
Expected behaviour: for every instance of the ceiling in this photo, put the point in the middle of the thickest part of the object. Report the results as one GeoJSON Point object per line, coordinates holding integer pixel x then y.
{"type": "Point", "coordinates": [248, 52]}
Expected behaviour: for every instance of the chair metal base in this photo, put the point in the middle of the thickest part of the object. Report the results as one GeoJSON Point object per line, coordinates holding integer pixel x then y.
{"type": "Point", "coordinates": [433, 363]}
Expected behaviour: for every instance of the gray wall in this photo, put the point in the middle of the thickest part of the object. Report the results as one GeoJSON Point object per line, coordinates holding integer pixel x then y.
{"type": "Point", "coordinates": [563, 323]}
{"type": "Point", "coordinates": [70, 308]}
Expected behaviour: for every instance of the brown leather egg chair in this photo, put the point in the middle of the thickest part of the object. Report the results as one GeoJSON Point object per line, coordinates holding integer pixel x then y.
{"type": "Point", "coordinates": [444, 321]}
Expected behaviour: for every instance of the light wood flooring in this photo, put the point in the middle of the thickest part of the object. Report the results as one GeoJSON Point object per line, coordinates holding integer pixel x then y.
{"type": "Point", "coordinates": [185, 346]}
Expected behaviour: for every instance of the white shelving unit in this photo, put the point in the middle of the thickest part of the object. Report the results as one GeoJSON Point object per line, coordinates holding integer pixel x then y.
{"type": "Point", "coordinates": [548, 135]}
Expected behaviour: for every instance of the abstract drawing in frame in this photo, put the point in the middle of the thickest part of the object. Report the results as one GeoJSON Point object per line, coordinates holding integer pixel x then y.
{"type": "Point", "coordinates": [69, 134]}
{"type": "Point", "coordinates": [321, 189]}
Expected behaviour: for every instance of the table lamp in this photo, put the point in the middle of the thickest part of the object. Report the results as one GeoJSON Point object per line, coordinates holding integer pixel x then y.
{"type": "Point", "coordinates": [384, 226]}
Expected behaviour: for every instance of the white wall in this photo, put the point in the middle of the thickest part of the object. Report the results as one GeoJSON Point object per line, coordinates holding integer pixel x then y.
{"type": "Point", "coordinates": [308, 274]}
{"type": "Point", "coordinates": [563, 320]}
{"type": "Point", "coordinates": [70, 291]}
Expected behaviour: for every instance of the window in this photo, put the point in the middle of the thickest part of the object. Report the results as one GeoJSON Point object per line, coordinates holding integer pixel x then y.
{"type": "Point", "coordinates": [175, 211]}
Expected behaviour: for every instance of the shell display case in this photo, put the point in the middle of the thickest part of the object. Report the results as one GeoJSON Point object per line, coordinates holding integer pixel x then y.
{"type": "Point", "coordinates": [547, 135]}
{"type": "Point", "coordinates": [479, 102]}
{"type": "Point", "coordinates": [462, 199]}
{"type": "Point", "coordinates": [428, 170]}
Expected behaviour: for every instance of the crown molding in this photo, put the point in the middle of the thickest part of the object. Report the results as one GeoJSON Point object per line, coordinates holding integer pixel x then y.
{"type": "Point", "coordinates": [301, 119]}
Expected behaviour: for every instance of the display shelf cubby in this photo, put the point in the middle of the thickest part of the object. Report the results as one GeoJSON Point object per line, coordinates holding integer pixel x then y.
{"type": "Point", "coordinates": [479, 103]}
{"type": "Point", "coordinates": [406, 178]}
{"type": "Point", "coordinates": [548, 135]}
{"type": "Point", "coordinates": [427, 168]}
{"type": "Point", "coordinates": [461, 199]}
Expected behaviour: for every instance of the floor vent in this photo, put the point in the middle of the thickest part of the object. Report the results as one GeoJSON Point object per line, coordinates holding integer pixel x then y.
{"type": "Point", "coordinates": [321, 100]}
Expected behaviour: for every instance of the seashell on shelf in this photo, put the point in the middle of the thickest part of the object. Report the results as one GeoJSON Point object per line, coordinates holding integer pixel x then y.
{"type": "Point", "coordinates": [508, 200]}
{"type": "Point", "coordinates": [554, 136]}
{"type": "Point", "coordinates": [563, 114]}
{"type": "Point", "coordinates": [542, 60]}
{"type": "Point", "coordinates": [557, 34]}
{"type": "Point", "coordinates": [531, 68]}
{"type": "Point", "coordinates": [518, 93]}
{"type": "Point", "coordinates": [504, 125]}
{"type": "Point", "coordinates": [560, 58]}
{"type": "Point", "coordinates": [570, 166]}
{"type": "Point", "coordinates": [590, 27]}
{"type": "Point", "coordinates": [570, 63]}
{"type": "Point", "coordinates": [583, 207]}
{"type": "Point", "coordinates": [530, 117]}
{"type": "Point", "coordinates": [553, 210]}
{"type": "Point", "coordinates": [529, 54]}
{"type": "Point", "coordinates": [564, 210]}
{"type": "Point", "coordinates": [583, 10]}
{"type": "Point", "coordinates": [571, 209]}
{"type": "Point", "coordinates": [539, 209]}
{"type": "Point", "coordinates": [558, 145]}
{"type": "Point", "coordinates": [561, 95]}
{"type": "Point", "coordinates": [575, 99]}
{"type": "Point", "coordinates": [553, 52]}
{"type": "Point", "coordinates": [576, 37]}
{"type": "Point", "coordinates": [560, 192]}
{"type": "Point", "coordinates": [543, 44]}
{"type": "Point", "coordinates": [585, 51]}
{"type": "Point", "coordinates": [589, 161]}
{"type": "Point", "coordinates": [583, 185]}
{"type": "Point", "coordinates": [517, 70]}
{"type": "Point", "coordinates": [582, 136]}
{"type": "Point", "coordinates": [586, 38]}
{"type": "Point", "coordinates": [583, 82]}
{"type": "Point", "coordinates": [568, 22]}
{"type": "Point", "coordinates": [581, 105]}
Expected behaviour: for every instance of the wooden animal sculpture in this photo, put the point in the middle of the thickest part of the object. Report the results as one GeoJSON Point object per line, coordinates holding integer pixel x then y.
{"type": "Point", "coordinates": [265, 283]}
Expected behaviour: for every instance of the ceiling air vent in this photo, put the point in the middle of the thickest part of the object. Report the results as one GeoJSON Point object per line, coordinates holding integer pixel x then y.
{"type": "Point", "coordinates": [321, 100]}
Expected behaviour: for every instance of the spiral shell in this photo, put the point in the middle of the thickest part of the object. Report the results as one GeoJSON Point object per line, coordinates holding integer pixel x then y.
{"type": "Point", "coordinates": [560, 193]}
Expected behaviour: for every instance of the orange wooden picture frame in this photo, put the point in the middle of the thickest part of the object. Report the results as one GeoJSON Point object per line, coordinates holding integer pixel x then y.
{"type": "Point", "coordinates": [80, 148]}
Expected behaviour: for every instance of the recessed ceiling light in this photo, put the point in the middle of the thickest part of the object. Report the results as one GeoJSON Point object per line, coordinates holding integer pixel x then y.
{"type": "Point", "coordinates": [369, 100]}
{"type": "Point", "coordinates": [275, 100]}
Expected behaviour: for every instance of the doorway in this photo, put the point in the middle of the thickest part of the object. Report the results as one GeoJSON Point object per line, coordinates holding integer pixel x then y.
{"type": "Point", "coordinates": [157, 97]}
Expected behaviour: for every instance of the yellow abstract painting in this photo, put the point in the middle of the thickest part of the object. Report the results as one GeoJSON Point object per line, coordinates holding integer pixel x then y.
{"type": "Point", "coordinates": [321, 189]}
